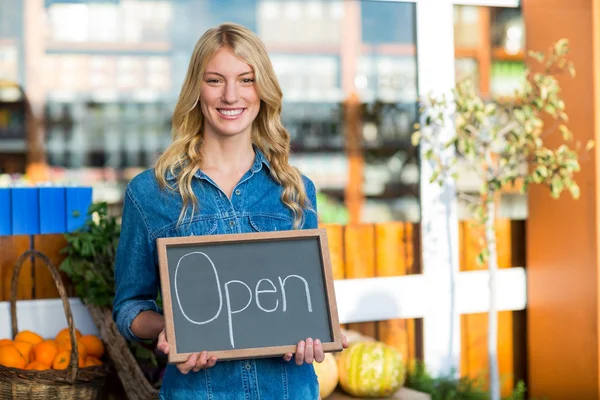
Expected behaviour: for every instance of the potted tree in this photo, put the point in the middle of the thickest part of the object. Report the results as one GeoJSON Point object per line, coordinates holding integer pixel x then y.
{"type": "Point", "coordinates": [502, 142]}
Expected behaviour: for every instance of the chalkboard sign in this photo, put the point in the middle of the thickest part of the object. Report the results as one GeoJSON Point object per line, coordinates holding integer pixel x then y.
{"type": "Point", "coordinates": [247, 295]}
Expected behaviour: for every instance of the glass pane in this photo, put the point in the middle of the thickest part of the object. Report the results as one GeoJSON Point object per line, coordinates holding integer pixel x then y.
{"type": "Point", "coordinates": [109, 74]}
{"type": "Point", "coordinates": [495, 63]}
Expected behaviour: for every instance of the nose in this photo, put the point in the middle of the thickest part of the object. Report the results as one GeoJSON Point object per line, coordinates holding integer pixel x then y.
{"type": "Point", "coordinates": [230, 93]}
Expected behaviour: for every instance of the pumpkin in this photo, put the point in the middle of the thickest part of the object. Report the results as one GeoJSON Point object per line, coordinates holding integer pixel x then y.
{"type": "Point", "coordinates": [327, 372]}
{"type": "Point", "coordinates": [371, 369]}
{"type": "Point", "coordinates": [353, 337]}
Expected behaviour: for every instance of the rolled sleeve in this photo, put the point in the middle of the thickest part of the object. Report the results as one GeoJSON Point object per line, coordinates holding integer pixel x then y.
{"type": "Point", "coordinates": [311, 220]}
{"type": "Point", "coordinates": [127, 314]}
{"type": "Point", "coordinates": [136, 275]}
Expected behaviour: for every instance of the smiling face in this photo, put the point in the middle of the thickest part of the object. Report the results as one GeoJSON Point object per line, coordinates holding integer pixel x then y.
{"type": "Point", "coordinates": [228, 96]}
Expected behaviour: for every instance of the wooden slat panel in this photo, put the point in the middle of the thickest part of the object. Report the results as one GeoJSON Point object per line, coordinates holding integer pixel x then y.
{"type": "Point", "coordinates": [50, 245]}
{"type": "Point", "coordinates": [359, 251]}
{"type": "Point", "coordinates": [335, 237]}
{"type": "Point", "coordinates": [11, 247]}
{"type": "Point", "coordinates": [474, 359]}
{"type": "Point", "coordinates": [394, 257]}
{"type": "Point", "coordinates": [464, 325]}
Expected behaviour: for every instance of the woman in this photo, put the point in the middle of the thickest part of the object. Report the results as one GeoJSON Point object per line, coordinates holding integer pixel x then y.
{"type": "Point", "coordinates": [226, 171]}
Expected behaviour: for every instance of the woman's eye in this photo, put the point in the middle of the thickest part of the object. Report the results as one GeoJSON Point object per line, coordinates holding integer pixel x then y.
{"type": "Point", "coordinates": [212, 81]}
{"type": "Point", "coordinates": [248, 80]}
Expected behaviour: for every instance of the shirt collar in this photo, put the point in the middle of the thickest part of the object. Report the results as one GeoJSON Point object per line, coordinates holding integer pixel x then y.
{"type": "Point", "coordinates": [259, 160]}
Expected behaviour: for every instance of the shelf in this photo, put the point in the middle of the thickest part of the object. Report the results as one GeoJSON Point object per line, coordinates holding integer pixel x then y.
{"type": "Point", "coordinates": [298, 49]}
{"type": "Point", "coordinates": [393, 190]}
{"type": "Point", "coordinates": [466, 52]}
{"type": "Point", "coordinates": [391, 49]}
{"type": "Point", "coordinates": [107, 47]}
{"type": "Point", "coordinates": [500, 54]}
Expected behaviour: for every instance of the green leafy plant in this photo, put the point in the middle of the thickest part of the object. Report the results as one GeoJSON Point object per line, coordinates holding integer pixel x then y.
{"type": "Point", "coordinates": [89, 264]}
{"type": "Point", "coordinates": [503, 143]}
{"type": "Point", "coordinates": [450, 387]}
{"type": "Point", "coordinates": [90, 256]}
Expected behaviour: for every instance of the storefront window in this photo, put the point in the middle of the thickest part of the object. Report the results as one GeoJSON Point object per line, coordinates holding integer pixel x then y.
{"type": "Point", "coordinates": [111, 72]}
{"type": "Point", "coordinates": [490, 44]}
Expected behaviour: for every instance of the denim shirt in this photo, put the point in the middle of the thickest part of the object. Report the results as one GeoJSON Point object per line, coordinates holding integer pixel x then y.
{"type": "Point", "coordinates": [149, 213]}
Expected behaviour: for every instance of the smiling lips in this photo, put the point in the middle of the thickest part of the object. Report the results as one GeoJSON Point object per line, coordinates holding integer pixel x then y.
{"type": "Point", "coordinates": [230, 113]}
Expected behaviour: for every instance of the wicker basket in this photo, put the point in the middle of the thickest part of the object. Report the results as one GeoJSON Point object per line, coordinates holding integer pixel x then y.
{"type": "Point", "coordinates": [72, 383]}
{"type": "Point", "coordinates": [132, 378]}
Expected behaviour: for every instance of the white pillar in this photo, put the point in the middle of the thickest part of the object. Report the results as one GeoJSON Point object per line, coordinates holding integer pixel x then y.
{"type": "Point", "coordinates": [439, 222]}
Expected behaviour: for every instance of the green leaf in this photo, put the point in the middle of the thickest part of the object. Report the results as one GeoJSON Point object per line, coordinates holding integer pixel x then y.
{"type": "Point", "coordinates": [574, 189]}
{"type": "Point", "coordinates": [571, 70]}
{"type": "Point", "coordinates": [589, 145]}
{"type": "Point", "coordinates": [566, 133]}
{"type": "Point", "coordinates": [556, 186]}
{"type": "Point", "coordinates": [538, 56]}
{"type": "Point", "coordinates": [415, 138]}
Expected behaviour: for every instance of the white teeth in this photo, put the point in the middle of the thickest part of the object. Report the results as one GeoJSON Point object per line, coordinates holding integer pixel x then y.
{"type": "Point", "coordinates": [231, 112]}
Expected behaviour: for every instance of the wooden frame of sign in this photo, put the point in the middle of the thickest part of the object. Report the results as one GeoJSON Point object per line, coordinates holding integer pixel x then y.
{"type": "Point", "coordinates": [169, 281]}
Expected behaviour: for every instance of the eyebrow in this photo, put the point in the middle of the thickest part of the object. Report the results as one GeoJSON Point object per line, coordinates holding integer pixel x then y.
{"type": "Point", "coordinates": [216, 73]}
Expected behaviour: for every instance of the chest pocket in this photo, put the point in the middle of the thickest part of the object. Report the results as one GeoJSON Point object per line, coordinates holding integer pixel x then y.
{"type": "Point", "coordinates": [197, 228]}
{"type": "Point", "coordinates": [263, 223]}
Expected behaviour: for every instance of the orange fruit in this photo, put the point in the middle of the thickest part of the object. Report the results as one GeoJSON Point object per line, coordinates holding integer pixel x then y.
{"type": "Point", "coordinates": [28, 336]}
{"type": "Point", "coordinates": [38, 366]}
{"type": "Point", "coordinates": [66, 346]}
{"type": "Point", "coordinates": [91, 361]}
{"type": "Point", "coordinates": [62, 359]}
{"type": "Point", "coordinates": [10, 357]}
{"type": "Point", "coordinates": [4, 342]}
{"type": "Point", "coordinates": [93, 345]}
{"type": "Point", "coordinates": [24, 348]}
{"type": "Point", "coordinates": [45, 352]}
{"type": "Point", "coordinates": [64, 335]}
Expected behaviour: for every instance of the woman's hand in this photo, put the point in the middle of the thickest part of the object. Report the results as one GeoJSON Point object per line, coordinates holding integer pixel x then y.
{"type": "Point", "coordinates": [195, 361]}
{"type": "Point", "coordinates": [310, 350]}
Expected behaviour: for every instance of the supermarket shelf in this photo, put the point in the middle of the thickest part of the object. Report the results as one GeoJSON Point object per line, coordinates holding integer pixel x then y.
{"type": "Point", "coordinates": [466, 52]}
{"type": "Point", "coordinates": [12, 146]}
{"type": "Point", "coordinates": [501, 55]}
{"type": "Point", "coordinates": [107, 47]}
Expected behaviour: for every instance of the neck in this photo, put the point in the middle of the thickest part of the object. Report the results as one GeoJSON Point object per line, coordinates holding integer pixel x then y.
{"type": "Point", "coordinates": [230, 154]}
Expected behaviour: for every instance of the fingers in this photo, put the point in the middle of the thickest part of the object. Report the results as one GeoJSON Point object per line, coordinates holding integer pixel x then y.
{"type": "Point", "coordinates": [319, 354]}
{"type": "Point", "coordinates": [211, 362]}
{"type": "Point", "coordinates": [187, 366]}
{"type": "Point", "coordinates": [300, 352]}
{"type": "Point", "coordinates": [309, 351]}
{"type": "Point", "coordinates": [196, 362]}
{"type": "Point", "coordinates": [162, 344]}
{"type": "Point", "coordinates": [344, 341]}
{"type": "Point", "coordinates": [201, 362]}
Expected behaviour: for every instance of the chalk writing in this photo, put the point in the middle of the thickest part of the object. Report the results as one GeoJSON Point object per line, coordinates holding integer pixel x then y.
{"type": "Point", "coordinates": [257, 291]}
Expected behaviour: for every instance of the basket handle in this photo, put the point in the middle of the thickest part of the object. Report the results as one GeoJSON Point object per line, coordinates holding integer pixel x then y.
{"type": "Point", "coordinates": [63, 295]}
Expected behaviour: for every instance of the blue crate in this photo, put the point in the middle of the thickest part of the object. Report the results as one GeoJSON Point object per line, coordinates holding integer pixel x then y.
{"type": "Point", "coordinates": [25, 211]}
{"type": "Point", "coordinates": [53, 210]}
{"type": "Point", "coordinates": [79, 200]}
{"type": "Point", "coordinates": [5, 212]}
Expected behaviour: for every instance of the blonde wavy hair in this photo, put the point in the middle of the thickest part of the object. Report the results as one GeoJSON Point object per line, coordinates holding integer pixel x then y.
{"type": "Point", "coordinates": [183, 157]}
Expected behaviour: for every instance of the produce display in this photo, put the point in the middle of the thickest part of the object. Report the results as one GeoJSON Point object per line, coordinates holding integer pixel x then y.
{"type": "Point", "coordinates": [30, 351]}
{"type": "Point", "coordinates": [327, 372]}
{"type": "Point", "coordinates": [367, 368]}
{"type": "Point", "coordinates": [371, 369]}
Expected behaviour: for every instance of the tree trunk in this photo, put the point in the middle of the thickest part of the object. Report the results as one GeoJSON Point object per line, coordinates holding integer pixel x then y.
{"type": "Point", "coordinates": [490, 235]}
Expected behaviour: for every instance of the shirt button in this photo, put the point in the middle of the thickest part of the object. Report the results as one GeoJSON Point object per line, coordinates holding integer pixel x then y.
{"type": "Point", "coordinates": [238, 191]}
{"type": "Point", "coordinates": [231, 223]}
{"type": "Point", "coordinates": [248, 366]}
